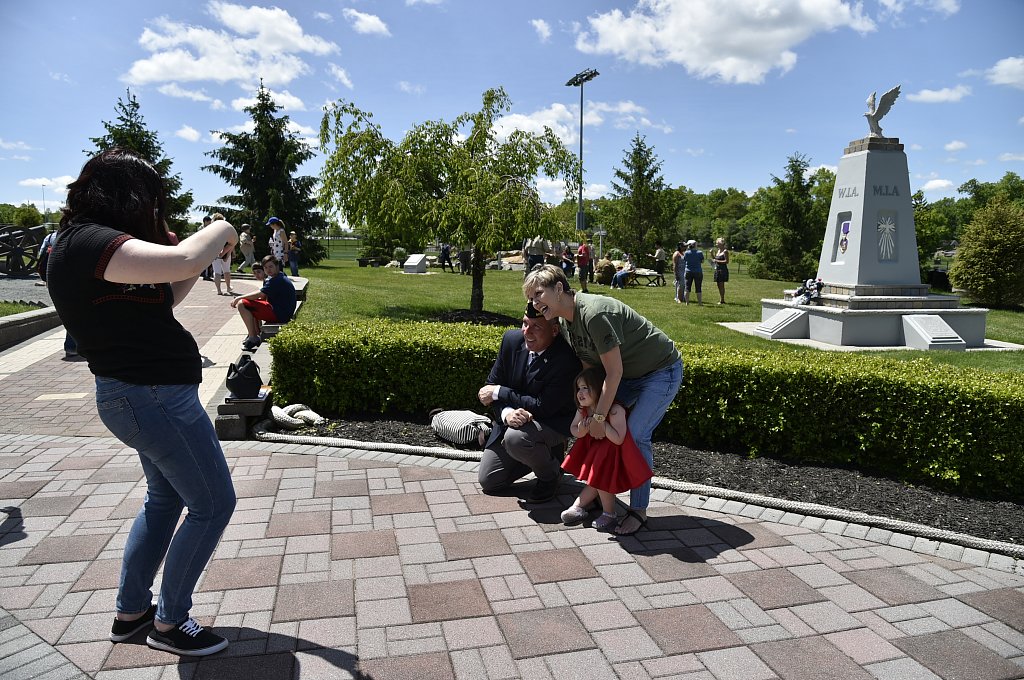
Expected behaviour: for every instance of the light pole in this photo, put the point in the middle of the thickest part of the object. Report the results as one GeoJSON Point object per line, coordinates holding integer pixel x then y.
{"type": "Point", "coordinates": [578, 80]}
{"type": "Point", "coordinates": [43, 188]}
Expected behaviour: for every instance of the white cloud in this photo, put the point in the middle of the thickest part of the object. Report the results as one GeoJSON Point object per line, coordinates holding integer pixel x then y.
{"type": "Point", "coordinates": [1011, 156]}
{"type": "Point", "coordinates": [732, 40]}
{"type": "Point", "coordinates": [21, 146]}
{"type": "Point", "coordinates": [977, 161]}
{"type": "Point", "coordinates": [175, 90]}
{"type": "Point", "coordinates": [410, 3]}
{"type": "Point", "coordinates": [945, 95]}
{"type": "Point", "coordinates": [410, 88]}
{"type": "Point", "coordinates": [543, 29]}
{"type": "Point", "coordinates": [188, 133]}
{"type": "Point", "coordinates": [1009, 71]}
{"type": "Point", "coordinates": [341, 75]}
{"type": "Point", "coordinates": [937, 186]}
{"type": "Point", "coordinates": [62, 77]}
{"type": "Point", "coordinates": [20, 158]}
{"type": "Point", "coordinates": [563, 122]}
{"type": "Point", "coordinates": [324, 16]}
{"type": "Point", "coordinates": [832, 168]}
{"type": "Point", "coordinates": [58, 185]}
{"type": "Point", "coordinates": [694, 152]}
{"type": "Point", "coordinates": [916, 147]}
{"type": "Point", "coordinates": [1020, 121]}
{"type": "Point", "coordinates": [955, 145]}
{"type": "Point", "coordinates": [366, 23]}
{"type": "Point", "coordinates": [255, 42]}
{"type": "Point", "coordinates": [285, 99]}
{"type": "Point", "coordinates": [896, 7]}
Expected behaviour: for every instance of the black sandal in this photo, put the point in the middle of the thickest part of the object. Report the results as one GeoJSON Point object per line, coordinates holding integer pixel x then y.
{"type": "Point", "coordinates": [631, 513]}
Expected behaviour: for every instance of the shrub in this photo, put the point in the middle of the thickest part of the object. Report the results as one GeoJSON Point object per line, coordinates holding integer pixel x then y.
{"type": "Point", "coordinates": [400, 254]}
{"type": "Point", "coordinates": [989, 264]}
{"type": "Point", "coordinates": [956, 429]}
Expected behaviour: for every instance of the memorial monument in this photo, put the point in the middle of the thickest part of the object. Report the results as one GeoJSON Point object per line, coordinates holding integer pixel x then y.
{"type": "Point", "coordinates": [871, 293]}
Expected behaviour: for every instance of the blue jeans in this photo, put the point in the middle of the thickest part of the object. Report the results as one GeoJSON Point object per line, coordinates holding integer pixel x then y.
{"type": "Point", "coordinates": [293, 265]}
{"type": "Point", "coordinates": [647, 398]}
{"type": "Point", "coordinates": [185, 467]}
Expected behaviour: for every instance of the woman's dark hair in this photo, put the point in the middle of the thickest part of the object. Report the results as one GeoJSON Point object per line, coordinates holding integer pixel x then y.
{"type": "Point", "coordinates": [594, 379]}
{"type": "Point", "coordinates": [119, 189]}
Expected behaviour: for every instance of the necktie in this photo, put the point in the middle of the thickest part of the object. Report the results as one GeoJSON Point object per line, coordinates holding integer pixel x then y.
{"type": "Point", "coordinates": [530, 360]}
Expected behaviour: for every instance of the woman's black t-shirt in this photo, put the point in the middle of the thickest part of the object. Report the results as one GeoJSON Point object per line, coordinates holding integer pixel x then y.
{"type": "Point", "coordinates": [126, 331]}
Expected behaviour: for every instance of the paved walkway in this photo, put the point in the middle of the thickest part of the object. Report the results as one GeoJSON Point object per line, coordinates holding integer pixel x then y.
{"type": "Point", "coordinates": [344, 563]}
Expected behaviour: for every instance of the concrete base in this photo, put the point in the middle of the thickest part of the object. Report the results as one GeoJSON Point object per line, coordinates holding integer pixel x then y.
{"type": "Point", "coordinates": [17, 328]}
{"type": "Point", "coordinates": [750, 327]}
{"type": "Point", "coordinates": [877, 327]}
{"type": "Point", "coordinates": [784, 324]}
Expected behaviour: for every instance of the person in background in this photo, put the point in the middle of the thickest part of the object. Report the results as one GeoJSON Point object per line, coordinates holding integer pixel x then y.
{"type": "Point", "coordinates": [693, 271]}
{"type": "Point", "coordinates": [621, 277]}
{"type": "Point", "coordinates": [273, 303]}
{"type": "Point", "coordinates": [721, 259]}
{"type": "Point", "coordinates": [247, 247]}
{"type": "Point", "coordinates": [446, 257]}
{"type": "Point", "coordinates": [659, 261]}
{"type": "Point", "coordinates": [294, 252]}
{"type": "Point", "coordinates": [46, 247]}
{"type": "Point", "coordinates": [585, 264]}
{"type": "Point", "coordinates": [678, 270]}
{"type": "Point", "coordinates": [114, 279]}
{"type": "Point", "coordinates": [643, 369]}
{"type": "Point", "coordinates": [278, 242]}
{"type": "Point", "coordinates": [208, 272]}
{"type": "Point", "coordinates": [222, 265]}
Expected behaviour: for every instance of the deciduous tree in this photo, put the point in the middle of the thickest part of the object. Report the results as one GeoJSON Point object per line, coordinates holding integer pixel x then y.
{"type": "Point", "coordinates": [454, 181]}
{"type": "Point", "coordinates": [988, 262]}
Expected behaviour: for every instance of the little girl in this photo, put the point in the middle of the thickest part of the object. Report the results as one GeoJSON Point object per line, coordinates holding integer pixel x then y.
{"type": "Point", "coordinates": [607, 466]}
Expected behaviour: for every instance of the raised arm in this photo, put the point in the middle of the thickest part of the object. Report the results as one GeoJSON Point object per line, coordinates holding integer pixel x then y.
{"type": "Point", "coordinates": [138, 261]}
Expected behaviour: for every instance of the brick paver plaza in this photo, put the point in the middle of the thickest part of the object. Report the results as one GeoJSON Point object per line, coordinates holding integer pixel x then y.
{"type": "Point", "coordinates": [346, 563]}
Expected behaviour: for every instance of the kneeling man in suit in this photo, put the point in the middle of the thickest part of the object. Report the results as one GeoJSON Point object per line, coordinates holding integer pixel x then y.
{"type": "Point", "coordinates": [530, 390]}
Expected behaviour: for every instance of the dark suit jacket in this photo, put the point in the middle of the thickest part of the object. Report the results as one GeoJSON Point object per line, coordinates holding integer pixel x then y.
{"type": "Point", "coordinates": [545, 391]}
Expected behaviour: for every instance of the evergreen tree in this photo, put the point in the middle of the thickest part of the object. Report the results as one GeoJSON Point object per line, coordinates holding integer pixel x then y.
{"type": "Point", "coordinates": [640, 217]}
{"type": "Point", "coordinates": [129, 131]}
{"type": "Point", "coordinates": [262, 165]}
{"type": "Point", "coordinates": [788, 240]}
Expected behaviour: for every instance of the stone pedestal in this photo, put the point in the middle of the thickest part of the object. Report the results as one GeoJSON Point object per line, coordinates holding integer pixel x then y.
{"type": "Point", "coordinates": [416, 264]}
{"type": "Point", "coordinates": [873, 295]}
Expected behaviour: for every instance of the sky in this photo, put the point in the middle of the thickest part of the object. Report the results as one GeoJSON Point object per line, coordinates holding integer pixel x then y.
{"type": "Point", "coordinates": [723, 90]}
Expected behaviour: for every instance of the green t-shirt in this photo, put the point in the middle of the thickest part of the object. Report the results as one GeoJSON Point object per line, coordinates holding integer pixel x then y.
{"type": "Point", "coordinates": [602, 323]}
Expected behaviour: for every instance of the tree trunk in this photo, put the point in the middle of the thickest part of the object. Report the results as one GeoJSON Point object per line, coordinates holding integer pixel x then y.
{"type": "Point", "coordinates": [476, 300]}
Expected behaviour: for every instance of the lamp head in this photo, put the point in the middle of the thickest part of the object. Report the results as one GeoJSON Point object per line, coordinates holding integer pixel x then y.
{"type": "Point", "coordinates": [582, 77]}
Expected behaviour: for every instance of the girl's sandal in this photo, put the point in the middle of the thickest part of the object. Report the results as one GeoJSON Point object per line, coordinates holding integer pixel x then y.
{"type": "Point", "coordinates": [606, 522]}
{"type": "Point", "coordinates": [638, 517]}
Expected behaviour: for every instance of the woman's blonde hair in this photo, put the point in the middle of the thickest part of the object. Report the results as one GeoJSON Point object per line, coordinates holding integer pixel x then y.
{"type": "Point", "coordinates": [545, 276]}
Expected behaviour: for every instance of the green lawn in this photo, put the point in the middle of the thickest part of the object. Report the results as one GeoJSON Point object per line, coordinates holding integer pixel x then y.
{"type": "Point", "coordinates": [8, 308]}
{"type": "Point", "coordinates": [341, 291]}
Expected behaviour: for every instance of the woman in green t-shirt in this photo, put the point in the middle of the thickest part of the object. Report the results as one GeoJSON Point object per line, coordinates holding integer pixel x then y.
{"type": "Point", "coordinates": [643, 368]}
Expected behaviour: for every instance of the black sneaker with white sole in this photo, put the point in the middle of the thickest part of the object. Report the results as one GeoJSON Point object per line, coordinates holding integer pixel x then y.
{"type": "Point", "coordinates": [188, 639]}
{"type": "Point", "coordinates": [122, 630]}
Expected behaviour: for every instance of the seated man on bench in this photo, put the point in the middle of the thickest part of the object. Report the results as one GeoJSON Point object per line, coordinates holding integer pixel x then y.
{"type": "Point", "coordinates": [273, 303]}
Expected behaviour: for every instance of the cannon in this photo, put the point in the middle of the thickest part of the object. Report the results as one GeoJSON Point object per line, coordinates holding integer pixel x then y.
{"type": "Point", "coordinates": [19, 248]}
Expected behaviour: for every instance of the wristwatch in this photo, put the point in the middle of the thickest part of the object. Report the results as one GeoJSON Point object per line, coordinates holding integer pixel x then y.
{"type": "Point", "coordinates": [598, 417]}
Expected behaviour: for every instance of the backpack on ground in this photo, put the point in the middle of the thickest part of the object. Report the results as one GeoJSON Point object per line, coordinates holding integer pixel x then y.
{"type": "Point", "coordinates": [462, 428]}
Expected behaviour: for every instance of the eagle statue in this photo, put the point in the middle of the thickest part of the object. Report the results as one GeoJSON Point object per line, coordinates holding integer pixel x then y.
{"type": "Point", "coordinates": [875, 114]}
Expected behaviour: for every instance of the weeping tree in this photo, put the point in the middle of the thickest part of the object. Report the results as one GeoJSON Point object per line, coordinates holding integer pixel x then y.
{"type": "Point", "coordinates": [456, 181]}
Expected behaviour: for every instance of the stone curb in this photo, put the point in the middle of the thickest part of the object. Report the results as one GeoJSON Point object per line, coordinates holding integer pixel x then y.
{"type": "Point", "coordinates": [20, 327]}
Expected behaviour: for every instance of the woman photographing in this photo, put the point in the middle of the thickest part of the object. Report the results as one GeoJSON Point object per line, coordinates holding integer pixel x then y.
{"type": "Point", "coordinates": [114, 278]}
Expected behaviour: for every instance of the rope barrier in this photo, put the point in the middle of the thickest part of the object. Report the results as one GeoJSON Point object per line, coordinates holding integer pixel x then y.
{"type": "Point", "coordinates": [298, 415]}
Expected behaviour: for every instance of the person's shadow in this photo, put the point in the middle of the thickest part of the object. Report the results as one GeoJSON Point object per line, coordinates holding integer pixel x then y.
{"type": "Point", "coordinates": [259, 655]}
{"type": "Point", "coordinates": [691, 539]}
{"type": "Point", "coordinates": [12, 529]}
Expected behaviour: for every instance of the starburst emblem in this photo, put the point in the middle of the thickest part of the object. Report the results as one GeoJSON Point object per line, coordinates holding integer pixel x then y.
{"type": "Point", "coordinates": [886, 240]}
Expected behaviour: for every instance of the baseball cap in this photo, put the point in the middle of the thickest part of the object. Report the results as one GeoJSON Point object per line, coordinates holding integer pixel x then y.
{"type": "Point", "coordinates": [272, 220]}
{"type": "Point", "coordinates": [691, 242]}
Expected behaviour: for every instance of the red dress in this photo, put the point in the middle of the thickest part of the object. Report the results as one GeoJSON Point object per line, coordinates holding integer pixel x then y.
{"type": "Point", "coordinates": [607, 466]}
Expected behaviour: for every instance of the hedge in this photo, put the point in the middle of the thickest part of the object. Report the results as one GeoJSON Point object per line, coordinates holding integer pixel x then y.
{"type": "Point", "coordinates": [957, 429]}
